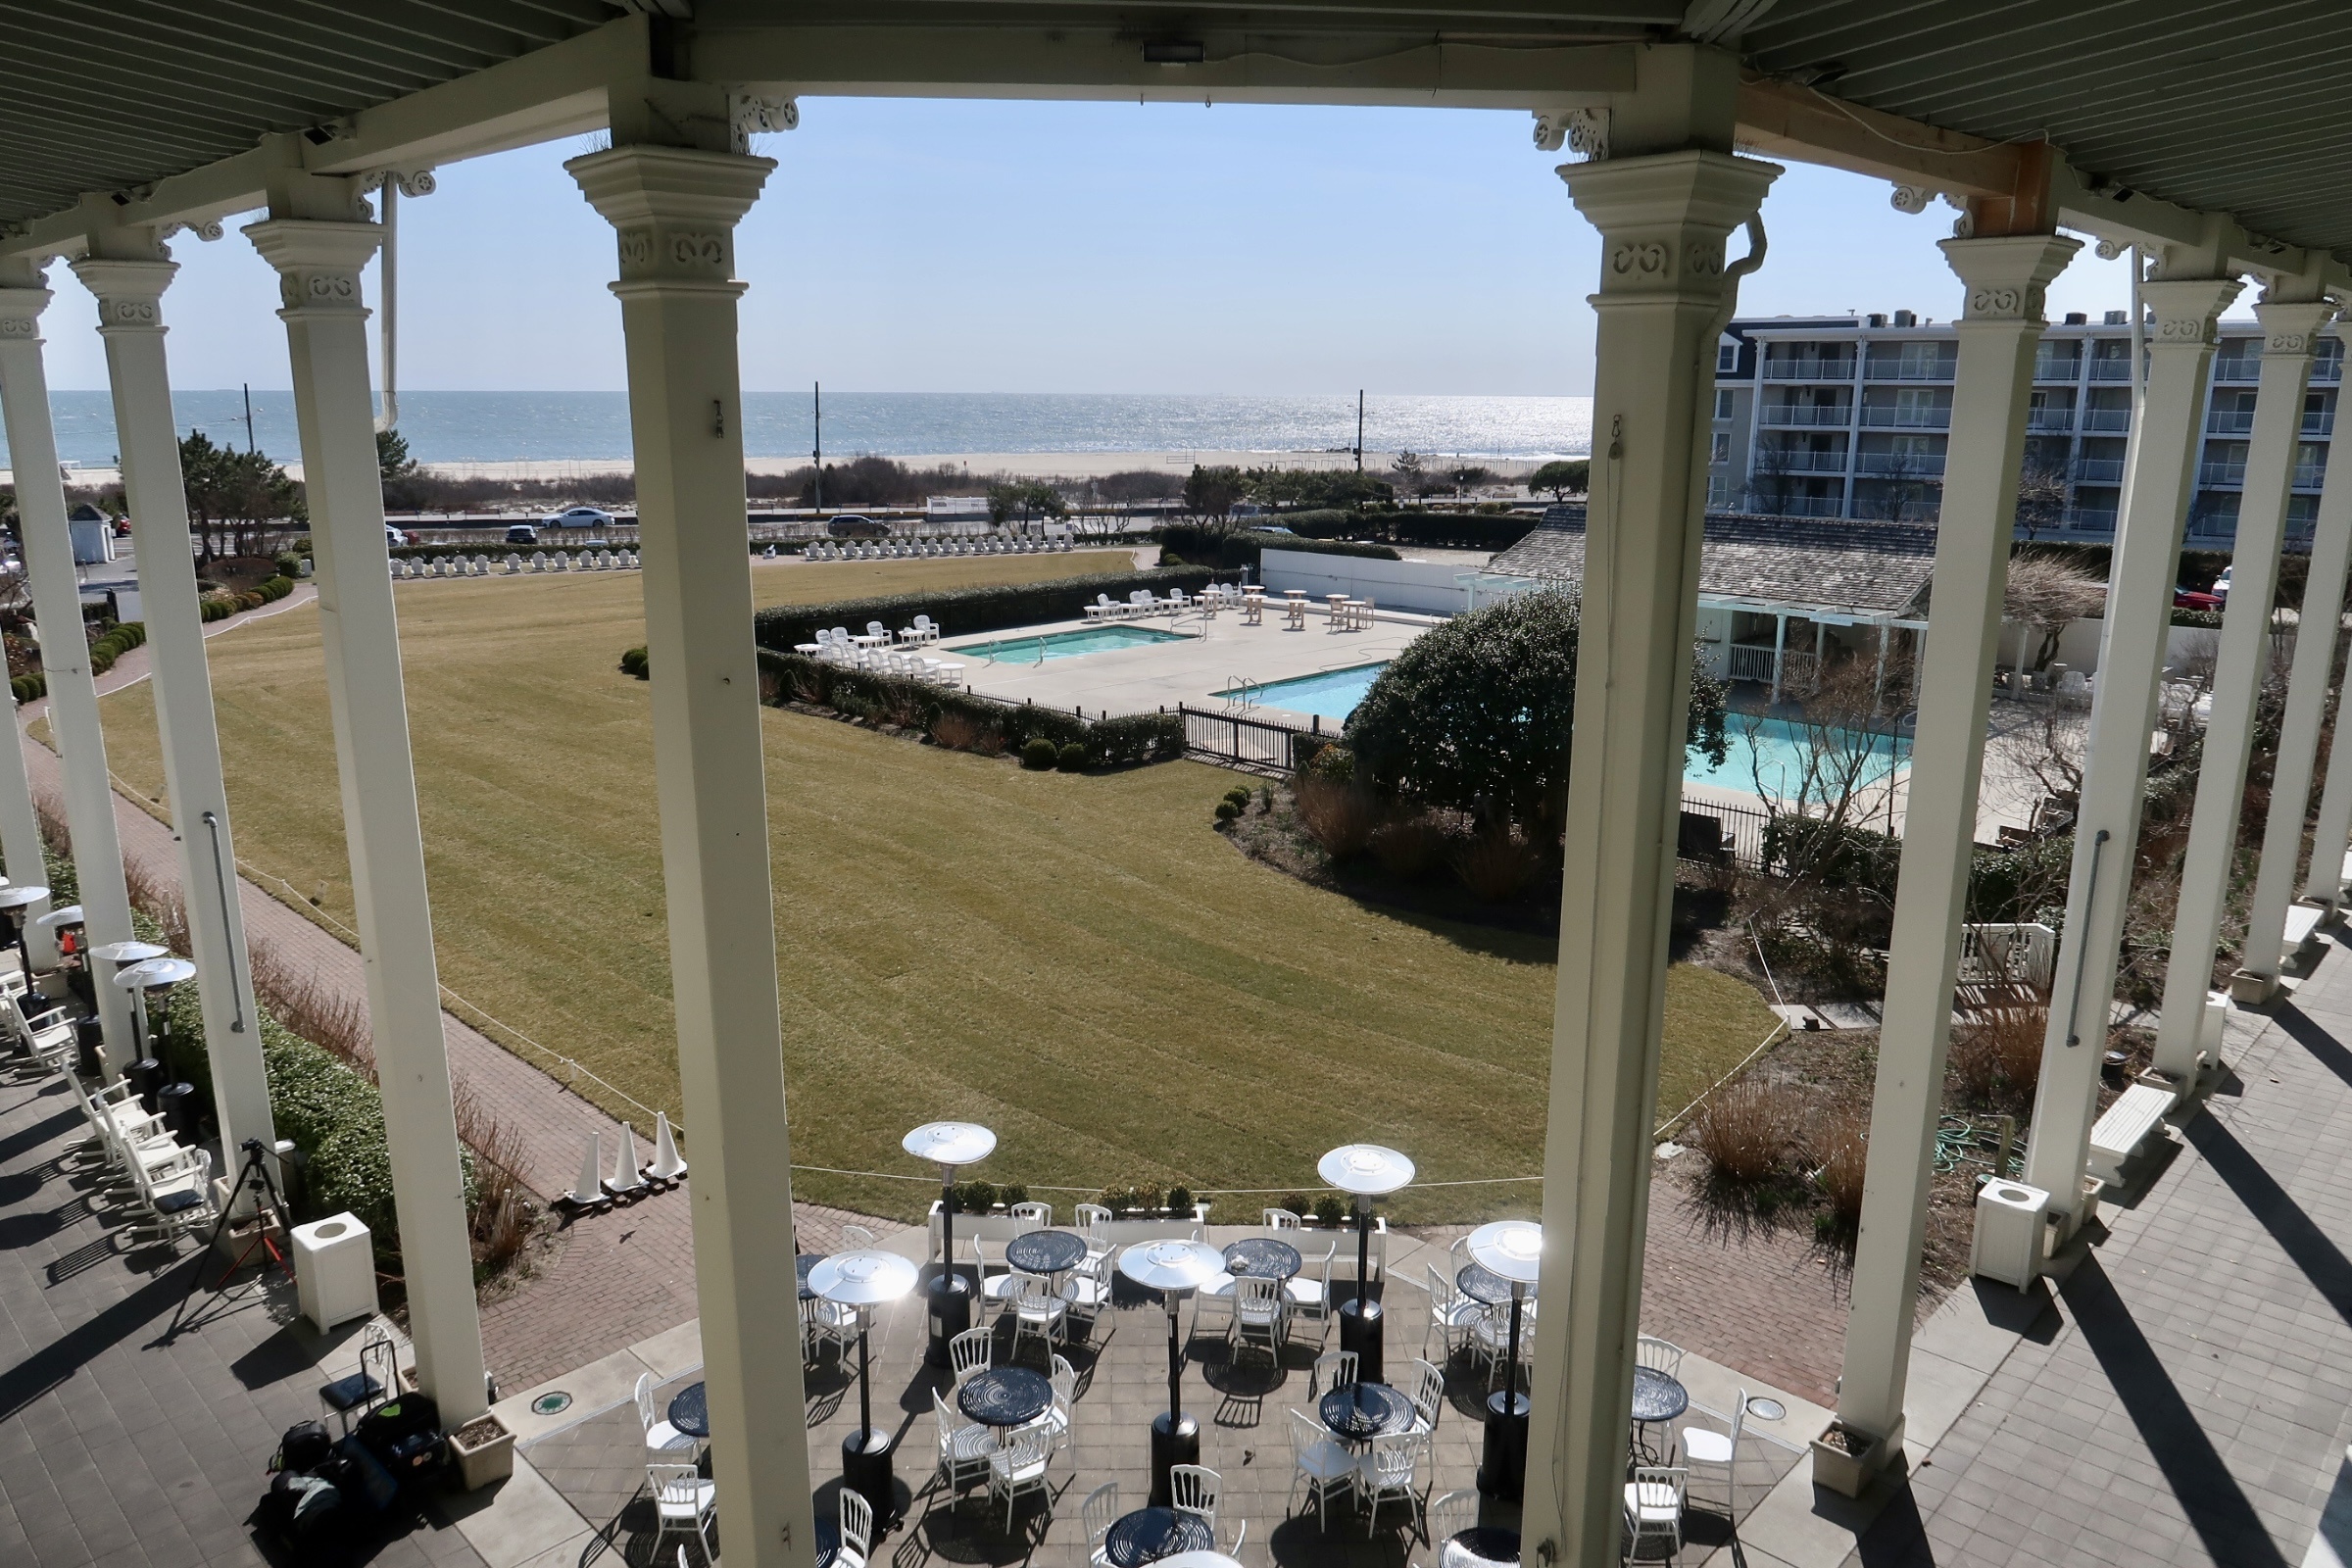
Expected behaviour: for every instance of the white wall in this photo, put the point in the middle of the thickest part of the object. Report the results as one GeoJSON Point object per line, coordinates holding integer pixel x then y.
{"type": "Point", "coordinates": [1426, 586]}
{"type": "Point", "coordinates": [2079, 645]}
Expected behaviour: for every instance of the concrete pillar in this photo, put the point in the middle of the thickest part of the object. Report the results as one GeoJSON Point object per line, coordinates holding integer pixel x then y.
{"type": "Point", "coordinates": [319, 261]}
{"type": "Point", "coordinates": [21, 838]}
{"type": "Point", "coordinates": [675, 210]}
{"type": "Point", "coordinates": [2290, 334]}
{"type": "Point", "coordinates": [1999, 326]}
{"type": "Point", "coordinates": [128, 286]}
{"type": "Point", "coordinates": [2115, 768]}
{"type": "Point", "coordinates": [1780, 649]}
{"type": "Point", "coordinates": [1664, 201]}
{"type": "Point", "coordinates": [2332, 833]}
{"type": "Point", "coordinates": [2299, 745]}
{"type": "Point", "coordinates": [65, 648]}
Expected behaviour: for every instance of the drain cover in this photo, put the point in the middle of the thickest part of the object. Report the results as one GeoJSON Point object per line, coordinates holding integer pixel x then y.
{"type": "Point", "coordinates": [1764, 1409]}
{"type": "Point", "coordinates": [558, 1403]}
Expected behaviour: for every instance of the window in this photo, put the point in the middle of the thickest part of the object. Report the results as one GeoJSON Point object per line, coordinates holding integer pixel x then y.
{"type": "Point", "coordinates": [1727, 357]}
{"type": "Point", "coordinates": [1723, 403]}
{"type": "Point", "coordinates": [1723, 446]}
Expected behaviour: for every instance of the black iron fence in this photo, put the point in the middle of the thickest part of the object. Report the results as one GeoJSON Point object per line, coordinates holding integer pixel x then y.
{"type": "Point", "coordinates": [1234, 737]}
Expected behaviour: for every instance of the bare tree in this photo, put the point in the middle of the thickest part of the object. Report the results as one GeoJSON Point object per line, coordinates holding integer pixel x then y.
{"type": "Point", "coordinates": [2040, 497]}
{"type": "Point", "coordinates": [1772, 476]}
{"type": "Point", "coordinates": [2046, 594]}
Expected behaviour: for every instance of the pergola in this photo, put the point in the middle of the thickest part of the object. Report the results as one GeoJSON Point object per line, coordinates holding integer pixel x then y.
{"type": "Point", "coordinates": [2214, 139]}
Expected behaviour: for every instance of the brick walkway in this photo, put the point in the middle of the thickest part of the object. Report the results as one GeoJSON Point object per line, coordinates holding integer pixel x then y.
{"type": "Point", "coordinates": [2187, 1396]}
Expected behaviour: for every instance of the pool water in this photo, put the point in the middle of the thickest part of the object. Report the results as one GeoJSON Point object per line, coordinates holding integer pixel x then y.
{"type": "Point", "coordinates": [1773, 752]}
{"type": "Point", "coordinates": [1331, 693]}
{"type": "Point", "coordinates": [1065, 644]}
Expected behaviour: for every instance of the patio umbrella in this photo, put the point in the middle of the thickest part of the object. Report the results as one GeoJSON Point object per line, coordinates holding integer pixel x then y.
{"type": "Point", "coordinates": [1367, 1170]}
{"type": "Point", "coordinates": [949, 1145]}
{"type": "Point", "coordinates": [864, 1280]}
{"type": "Point", "coordinates": [1172, 1268]}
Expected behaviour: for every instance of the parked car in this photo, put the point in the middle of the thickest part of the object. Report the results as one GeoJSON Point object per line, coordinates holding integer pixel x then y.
{"type": "Point", "coordinates": [2221, 584]}
{"type": "Point", "coordinates": [2192, 599]}
{"type": "Point", "coordinates": [578, 518]}
{"type": "Point", "coordinates": [395, 538]}
{"type": "Point", "coordinates": [522, 533]}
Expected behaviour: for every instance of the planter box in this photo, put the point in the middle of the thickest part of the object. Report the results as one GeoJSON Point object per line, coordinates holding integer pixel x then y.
{"type": "Point", "coordinates": [491, 1458]}
{"type": "Point", "coordinates": [998, 1229]}
{"type": "Point", "coordinates": [1838, 1465]}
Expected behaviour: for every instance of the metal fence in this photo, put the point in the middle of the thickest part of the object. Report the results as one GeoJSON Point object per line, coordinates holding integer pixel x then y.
{"type": "Point", "coordinates": [1713, 833]}
{"type": "Point", "coordinates": [1236, 737]}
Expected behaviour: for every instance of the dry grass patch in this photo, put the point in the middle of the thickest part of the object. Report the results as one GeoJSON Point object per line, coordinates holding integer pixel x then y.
{"type": "Point", "coordinates": [1078, 960]}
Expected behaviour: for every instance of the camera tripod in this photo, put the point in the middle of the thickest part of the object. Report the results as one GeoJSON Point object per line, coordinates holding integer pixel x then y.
{"type": "Point", "coordinates": [254, 1177]}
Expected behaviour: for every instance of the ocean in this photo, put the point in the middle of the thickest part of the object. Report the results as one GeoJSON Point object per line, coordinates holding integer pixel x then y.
{"type": "Point", "coordinates": [594, 426]}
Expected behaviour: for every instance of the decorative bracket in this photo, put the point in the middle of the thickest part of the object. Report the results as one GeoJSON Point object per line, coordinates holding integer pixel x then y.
{"type": "Point", "coordinates": [750, 115]}
{"type": "Point", "coordinates": [207, 229]}
{"type": "Point", "coordinates": [1588, 135]}
{"type": "Point", "coordinates": [1912, 199]}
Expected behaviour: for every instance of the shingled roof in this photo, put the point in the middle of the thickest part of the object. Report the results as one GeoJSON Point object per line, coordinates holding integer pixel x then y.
{"type": "Point", "coordinates": [1839, 564]}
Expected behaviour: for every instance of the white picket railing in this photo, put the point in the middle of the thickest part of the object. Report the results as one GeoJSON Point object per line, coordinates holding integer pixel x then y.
{"type": "Point", "coordinates": [2026, 952]}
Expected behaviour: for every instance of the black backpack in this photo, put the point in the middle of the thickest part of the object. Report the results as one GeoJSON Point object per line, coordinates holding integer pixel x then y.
{"type": "Point", "coordinates": [303, 1449]}
{"type": "Point", "coordinates": [405, 1434]}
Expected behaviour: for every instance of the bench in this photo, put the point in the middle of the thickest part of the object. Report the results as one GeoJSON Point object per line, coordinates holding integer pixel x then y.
{"type": "Point", "coordinates": [2119, 1133]}
{"type": "Point", "coordinates": [2302, 924]}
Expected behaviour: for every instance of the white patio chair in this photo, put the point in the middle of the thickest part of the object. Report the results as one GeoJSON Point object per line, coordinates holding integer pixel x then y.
{"type": "Point", "coordinates": [1428, 1396]}
{"type": "Point", "coordinates": [1038, 1310]}
{"type": "Point", "coordinates": [855, 1237]}
{"type": "Point", "coordinates": [682, 1504]}
{"type": "Point", "coordinates": [1101, 608]}
{"type": "Point", "coordinates": [1449, 1516]}
{"type": "Point", "coordinates": [1257, 1308]}
{"type": "Point", "coordinates": [997, 1291]}
{"type": "Point", "coordinates": [926, 630]}
{"type": "Point", "coordinates": [1093, 1222]}
{"type": "Point", "coordinates": [178, 1194]}
{"type": "Point", "coordinates": [1653, 1507]}
{"type": "Point", "coordinates": [874, 628]}
{"type": "Point", "coordinates": [1321, 1462]}
{"type": "Point", "coordinates": [1020, 1465]}
{"type": "Point", "coordinates": [972, 1352]}
{"type": "Point", "coordinates": [1087, 1290]}
{"type": "Point", "coordinates": [1659, 1355]}
{"type": "Point", "coordinates": [1333, 1369]}
{"type": "Point", "coordinates": [1391, 1470]}
{"type": "Point", "coordinates": [659, 1436]}
{"type": "Point", "coordinates": [1099, 1511]}
{"type": "Point", "coordinates": [1713, 1451]}
{"type": "Point", "coordinates": [963, 1446]}
{"type": "Point", "coordinates": [1312, 1296]}
{"type": "Point", "coordinates": [1214, 1300]}
{"type": "Point", "coordinates": [824, 1322]}
{"type": "Point", "coordinates": [1194, 1488]}
{"type": "Point", "coordinates": [1491, 1337]}
{"type": "Point", "coordinates": [1451, 1316]}
{"type": "Point", "coordinates": [1031, 1216]}
{"type": "Point", "coordinates": [943, 671]}
{"type": "Point", "coordinates": [1063, 1410]}
{"type": "Point", "coordinates": [1280, 1219]}
{"type": "Point", "coordinates": [857, 1530]}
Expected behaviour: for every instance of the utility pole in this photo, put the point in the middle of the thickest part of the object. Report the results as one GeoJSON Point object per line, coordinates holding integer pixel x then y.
{"type": "Point", "coordinates": [250, 448]}
{"type": "Point", "coordinates": [816, 455]}
{"type": "Point", "coordinates": [1359, 429]}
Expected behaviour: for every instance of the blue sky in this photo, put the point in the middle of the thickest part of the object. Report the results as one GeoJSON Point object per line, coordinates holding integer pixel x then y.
{"type": "Point", "coordinates": [907, 246]}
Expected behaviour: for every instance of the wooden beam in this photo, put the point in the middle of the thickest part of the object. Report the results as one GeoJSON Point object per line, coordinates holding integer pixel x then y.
{"type": "Point", "coordinates": [1781, 119]}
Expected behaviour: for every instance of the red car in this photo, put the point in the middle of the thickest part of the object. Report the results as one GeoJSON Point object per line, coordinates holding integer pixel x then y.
{"type": "Point", "coordinates": [2191, 599]}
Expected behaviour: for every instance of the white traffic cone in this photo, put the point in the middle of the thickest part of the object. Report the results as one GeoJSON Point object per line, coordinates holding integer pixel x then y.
{"type": "Point", "coordinates": [666, 1165]}
{"type": "Point", "coordinates": [625, 1178]}
{"type": "Point", "coordinates": [588, 1192]}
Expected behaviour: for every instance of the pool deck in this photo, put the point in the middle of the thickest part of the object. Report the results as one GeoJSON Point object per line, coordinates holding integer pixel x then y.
{"type": "Point", "coordinates": [1212, 653]}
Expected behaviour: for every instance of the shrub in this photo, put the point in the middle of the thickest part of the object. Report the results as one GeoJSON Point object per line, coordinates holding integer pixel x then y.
{"type": "Point", "coordinates": [970, 609]}
{"type": "Point", "coordinates": [1229, 810]}
{"type": "Point", "coordinates": [1334, 762]}
{"type": "Point", "coordinates": [120, 640]}
{"type": "Point", "coordinates": [1843, 1150]}
{"type": "Point", "coordinates": [1180, 1198]}
{"type": "Point", "coordinates": [974, 1197]}
{"type": "Point", "coordinates": [1745, 1132]}
{"type": "Point", "coordinates": [1239, 795]}
{"type": "Point", "coordinates": [1497, 864]}
{"type": "Point", "coordinates": [1109, 742]}
{"type": "Point", "coordinates": [1455, 531]}
{"type": "Point", "coordinates": [1410, 846]}
{"type": "Point", "coordinates": [1996, 1058]}
{"type": "Point", "coordinates": [1230, 550]}
{"type": "Point", "coordinates": [29, 688]}
{"type": "Point", "coordinates": [1040, 753]}
{"type": "Point", "coordinates": [1133, 1195]}
{"type": "Point", "coordinates": [1072, 756]}
{"type": "Point", "coordinates": [1329, 1210]}
{"type": "Point", "coordinates": [1339, 817]}
{"type": "Point", "coordinates": [962, 732]}
{"type": "Point", "coordinates": [633, 662]}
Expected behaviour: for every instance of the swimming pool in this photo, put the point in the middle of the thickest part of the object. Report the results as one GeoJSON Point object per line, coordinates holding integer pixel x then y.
{"type": "Point", "coordinates": [1772, 752]}
{"type": "Point", "coordinates": [1330, 693]}
{"type": "Point", "coordinates": [1065, 644]}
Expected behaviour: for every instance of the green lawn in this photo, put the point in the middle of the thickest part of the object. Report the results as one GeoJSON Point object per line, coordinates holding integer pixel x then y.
{"type": "Point", "coordinates": [1081, 962]}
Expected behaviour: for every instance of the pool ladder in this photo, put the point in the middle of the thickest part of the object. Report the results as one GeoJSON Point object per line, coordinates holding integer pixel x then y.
{"type": "Point", "coordinates": [1237, 692]}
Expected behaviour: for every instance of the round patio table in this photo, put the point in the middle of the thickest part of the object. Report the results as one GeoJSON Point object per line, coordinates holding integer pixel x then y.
{"type": "Point", "coordinates": [1047, 1253]}
{"type": "Point", "coordinates": [1362, 1411]}
{"type": "Point", "coordinates": [801, 1265]}
{"type": "Point", "coordinates": [1005, 1397]}
{"type": "Point", "coordinates": [1657, 1397]}
{"type": "Point", "coordinates": [1480, 1546]}
{"type": "Point", "coordinates": [1262, 1257]}
{"type": "Point", "coordinates": [1149, 1534]}
{"type": "Point", "coordinates": [690, 1412]}
{"type": "Point", "coordinates": [1483, 1285]}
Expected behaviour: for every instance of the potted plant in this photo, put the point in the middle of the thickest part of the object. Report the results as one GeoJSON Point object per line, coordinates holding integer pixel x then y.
{"type": "Point", "coordinates": [484, 1452]}
{"type": "Point", "coordinates": [1844, 1459]}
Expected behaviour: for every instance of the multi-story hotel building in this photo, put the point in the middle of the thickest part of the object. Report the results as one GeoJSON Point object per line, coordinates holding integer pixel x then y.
{"type": "Point", "coordinates": [1846, 416]}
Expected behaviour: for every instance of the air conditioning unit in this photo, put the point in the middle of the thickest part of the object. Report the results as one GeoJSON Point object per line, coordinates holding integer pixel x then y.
{"type": "Point", "coordinates": [2010, 1219]}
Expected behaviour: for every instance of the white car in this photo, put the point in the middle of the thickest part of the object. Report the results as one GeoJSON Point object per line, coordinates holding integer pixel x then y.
{"type": "Point", "coordinates": [2221, 584]}
{"type": "Point", "coordinates": [578, 518]}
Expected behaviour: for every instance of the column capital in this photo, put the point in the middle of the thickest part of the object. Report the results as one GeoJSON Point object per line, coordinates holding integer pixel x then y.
{"type": "Point", "coordinates": [2290, 329]}
{"type": "Point", "coordinates": [2187, 308]}
{"type": "Point", "coordinates": [130, 294]}
{"type": "Point", "coordinates": [1663, 218]}
{"type": "Point", "coordinates": [317, 262]}
{"type": "Point", "coordinates": [675, 210]}
{"type": "Point", "coordinates": [2006, 276]}
{"type": "Point", "coordinates": [20, 314]}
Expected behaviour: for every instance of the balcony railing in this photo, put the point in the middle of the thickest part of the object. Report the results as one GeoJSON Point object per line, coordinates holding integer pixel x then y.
{"type": "Point", "coordinates": [1805, 506]}
{"type": "Point", "coordinates": [1909, 370]}
{"type": "Point", "coordinates": [2111, 369]}
{"type": "Point", "coordinates": [1801, 461]}
{"type": "Point", "coordinates": [2319, 423]}
{"type": "Point", "coordinates": [2308, 475]}
{"type": "Point", "coordinates": [2098, 470]}
{"type": "Point", "coordinates": [2230, 421]}
{"type": "Point", "coordinates": [2107, 420]}
{"type": "Point", "coordinates": [1897, 419]}
{"type": "Point", "coordinates": [2058, 421]}
{"type": "Point", "coordinates": [2237, 369]}
{"type": "Point", "coordinates": [1901, 465]}
{"type": "Point", "coordinates": [2222, 473]}
{"type": "Point", "coordinates": [2058, 369]}
{"type": "Point", "coordinates": [2327, 373]}
{"type": "Point", "coordinates": [1838, 414]}
{"type": "Point", "coordinates": [1748, 662]}
{"type": "Point", "coordinates": [1809, 369]}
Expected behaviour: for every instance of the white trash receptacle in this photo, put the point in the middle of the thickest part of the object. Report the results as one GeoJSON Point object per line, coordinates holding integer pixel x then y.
{"type": "Point", "coordinates": [2010, 1218]}
{"type": "Point", "coordinates": [334, 1270]}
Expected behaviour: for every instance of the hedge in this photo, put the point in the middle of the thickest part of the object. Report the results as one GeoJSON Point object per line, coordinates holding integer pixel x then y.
{"type": "Point", "coordinates": [221, 605]}
{"type": "Point", "coordinates": [1232, 551]}
{"type": "Point", "coordinates": [29, 688]}
{"type": "Point", "coordinates": [962, 611]}
{"type": "Point", "coordinates": [1454, 530]}
{"type": "Point", "coordinates": [115, 644]}
{"type": "Point", "coordinates": [1117, 742]}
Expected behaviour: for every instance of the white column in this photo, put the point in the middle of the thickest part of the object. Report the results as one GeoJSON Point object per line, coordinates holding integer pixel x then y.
{"type": "Point", "coordinates": [675, 210]}
{"type": "Point", "coordinates": [21, 838]}
{"type": "Point", "coordinates": [2290, 334]}
{"type": "Point", "coordinates": [130, 294]}
{"type": "Point", "coordinates": [1663, 215]}
{"type": "Point", "coordinates": [2299, 744]}
{"type": "Point", "coordinates": [2333, 832]}
{"type": "Point", "coordinates": [318, 265]}
{"type": "Point", "coordinates": [2115, 767]}
{"type": "Point", "coordinates": [65, 648]}
{"type": "Point", "coordinates": [1780, 649]}
{"type": "Point", "coordinates": [1999, 326]}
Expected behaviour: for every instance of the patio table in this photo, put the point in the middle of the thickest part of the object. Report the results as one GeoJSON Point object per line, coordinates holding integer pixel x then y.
{"type": "Point", "coordinates": [801, 1265]}
{"type": "Point", "coordinates": [1262, 1257]}
{"type": "Point", "coordinates": [690, 1412]}
{"type": "Point", "coordinates": [1657, 1397]}
{"type": "Point", "coordinates": [1049, 1252]}
{"type": "Point", "coordinates": [1358, 1412]}
{"type": "Point", "coordinates": [1149, 1535]}
{"type": "Point", "coordinates": [1480, 1546]}
{"type": "Point", "coordinates": [1005, 1397]}
{"type": "Point", "coordinates": [1483, 1285]}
